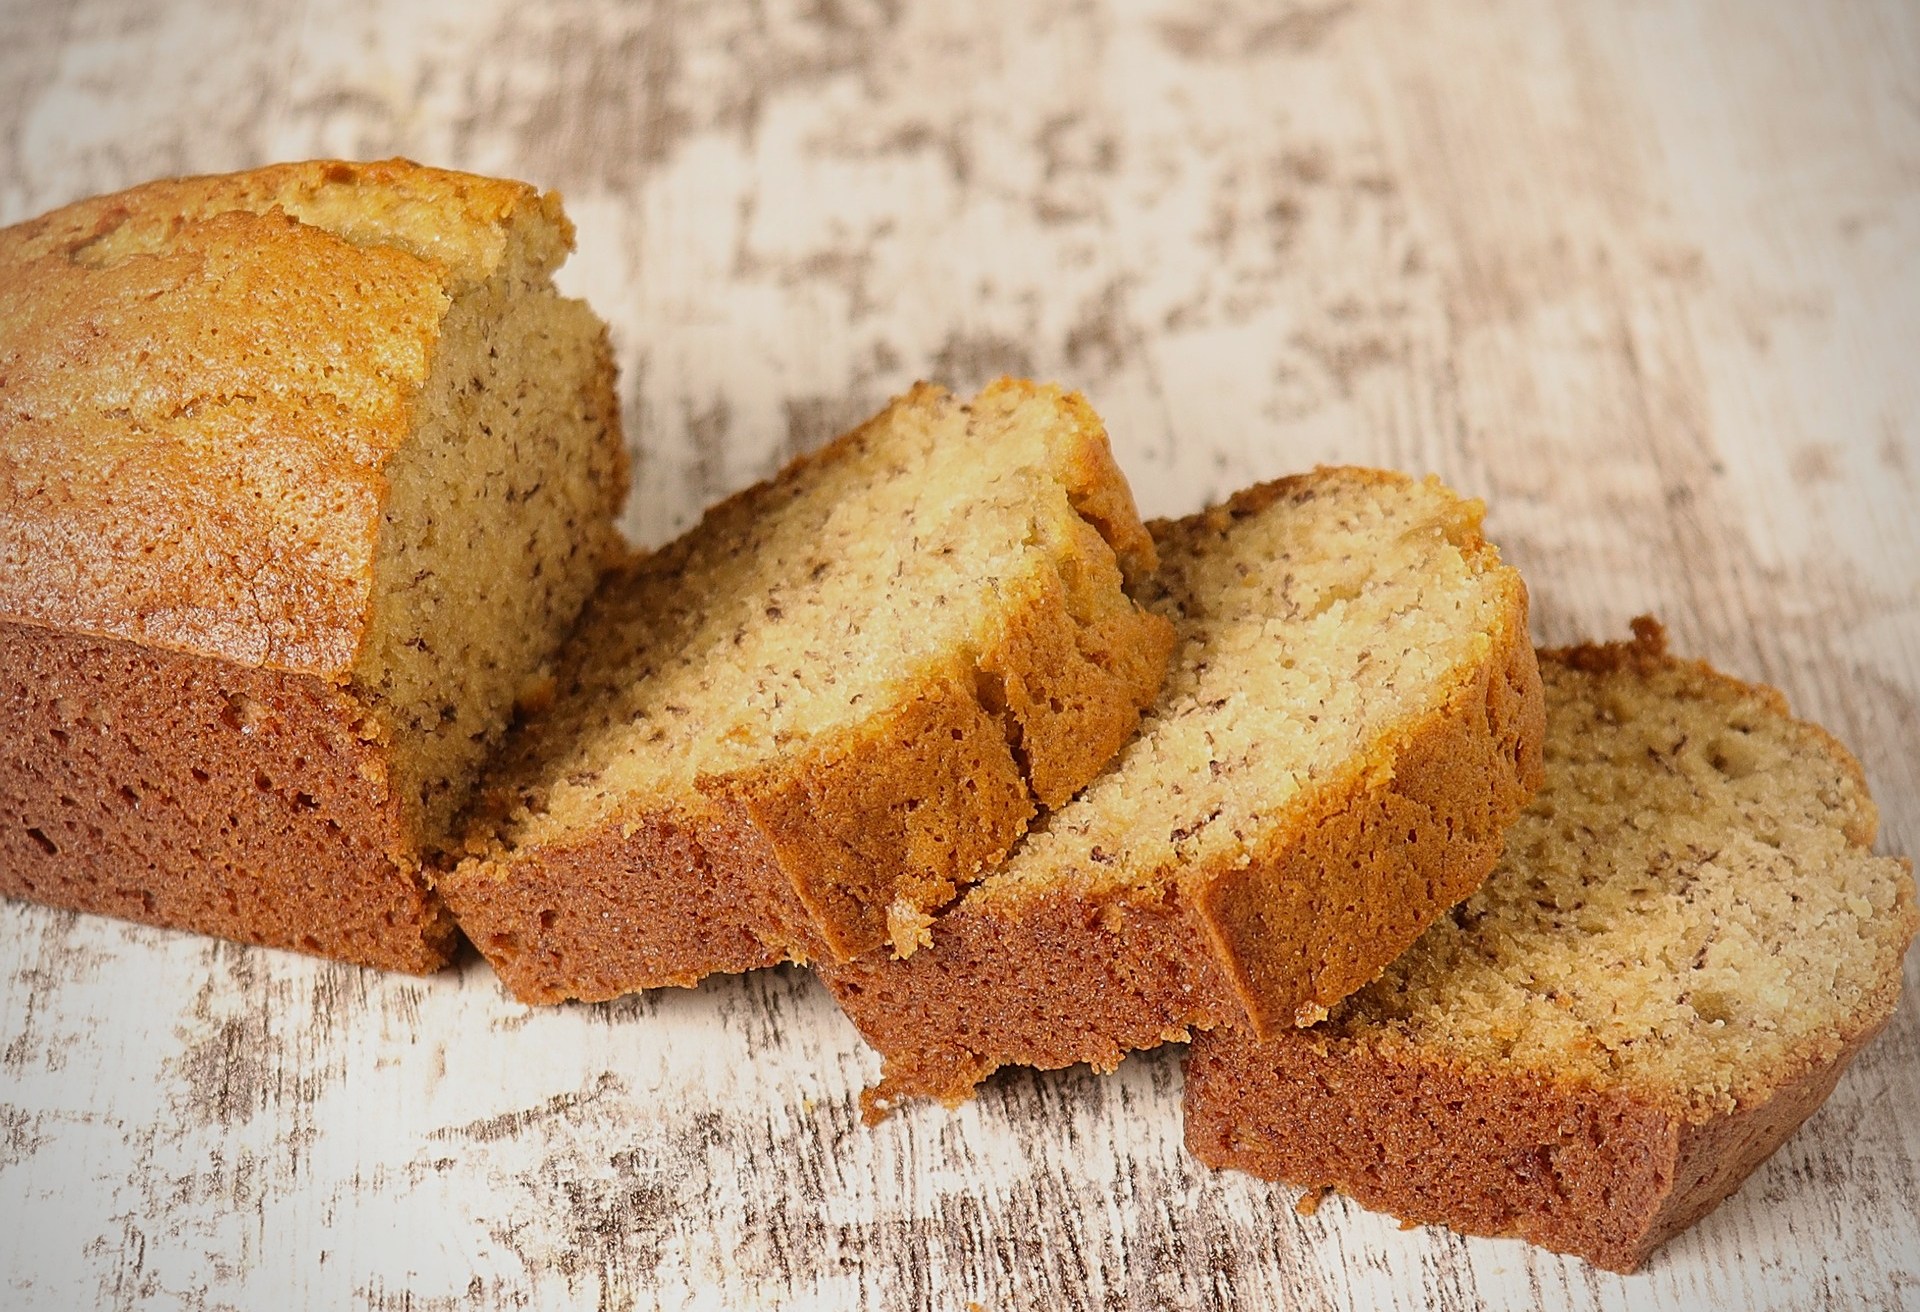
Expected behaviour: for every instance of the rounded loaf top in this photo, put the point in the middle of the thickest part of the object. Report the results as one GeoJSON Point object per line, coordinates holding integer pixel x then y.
{"type": "Point", "coordinates": [202, 381]}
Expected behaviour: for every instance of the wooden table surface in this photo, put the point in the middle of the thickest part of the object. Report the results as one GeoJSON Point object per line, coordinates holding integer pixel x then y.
{"type": "Point", "coordinates": [1642, 275]}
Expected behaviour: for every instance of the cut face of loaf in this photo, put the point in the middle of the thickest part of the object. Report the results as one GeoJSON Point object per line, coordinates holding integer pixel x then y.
{"type": "Point", "coordinates": [307, 472]}
{"type": "Point", "coordinates": [802, 727]}
{"type": "Point", "coordinates": [1351, 719]}
{"type": "Point", "coordinates": [1686, 942]}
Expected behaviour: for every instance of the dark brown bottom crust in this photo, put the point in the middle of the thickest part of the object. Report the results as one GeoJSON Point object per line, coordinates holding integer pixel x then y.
{"type": "Point", "coordinates": [196, 794]}
{"type": "Point", "coordinates": [801, 865]}
{"type": "Point", "coordinates": [1598, 1174]}
{"type": "Point", "coordinates": [814, 857]}
{"type": "Point", "coordinates": [1046, 983]}
{"type": "Point", "coordinates": [1055, 978]}
{"type": "Point", "coordinates": [852, 839]}
{"type": "Point", "coordinates": [664, 905]}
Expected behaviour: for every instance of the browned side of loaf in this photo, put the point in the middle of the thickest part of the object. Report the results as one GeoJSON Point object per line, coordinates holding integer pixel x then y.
{"type": "Point", "coordinates": [912, 805]}
{"type": "Point", "coordinates": [664, 901]}
{"type": "Point", "coordinates": [1046, 982]}
{"type": "Point", "coordinates": [666, 897]}
{"type": "Point", "coordinates": [904, 809]}
{"type": "Point", "coordinates": [1368, 864]}
{"type": "Point", "coordinates": [799, 862]}
{"type": "Point", "coordinates": [1601, 1174]}
{"type": "Point", "coordinates": [1055, 977]}
{"type": "Point", "coordinates": [189, 792]}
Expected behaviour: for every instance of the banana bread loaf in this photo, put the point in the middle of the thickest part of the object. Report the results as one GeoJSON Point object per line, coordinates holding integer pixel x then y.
{"type": "Point", "coordinates": [304, 473]}
{"type": "Point", "coordinates": [1352, 718]}
{"type": "Point", "coordinates": [1687, 941]}
{"type": "Point", "coordinates": [805, 724]}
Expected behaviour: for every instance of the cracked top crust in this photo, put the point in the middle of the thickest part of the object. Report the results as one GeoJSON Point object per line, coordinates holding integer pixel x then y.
{"type": "Point", "coordinates": [203, 380]}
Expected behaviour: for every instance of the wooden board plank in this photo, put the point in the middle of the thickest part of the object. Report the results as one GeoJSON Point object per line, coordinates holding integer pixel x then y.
{"type": "Point", "coordinates": [1642, 276]}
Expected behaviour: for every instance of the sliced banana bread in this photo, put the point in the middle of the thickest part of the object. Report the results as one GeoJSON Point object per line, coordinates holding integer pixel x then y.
{"type": "Point", "coordinates": [1352, 718]}
{"type": "Point", "coordinates": [808, 722]}
{"type": "Point", "coordinates": [304, 475]}
{"type": "Point", "coordinates": [1687, 941]}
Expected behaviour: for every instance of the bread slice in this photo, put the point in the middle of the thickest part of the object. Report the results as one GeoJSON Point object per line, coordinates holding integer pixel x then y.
{"type": "Point", "coordinates": [830, 705]}
{"type": "Point", "coordinates": [304, 474]}
{"type": "Point", "coordinates": [1352, 718]}
{"type": "Point", "coordinates": [1687, 941]}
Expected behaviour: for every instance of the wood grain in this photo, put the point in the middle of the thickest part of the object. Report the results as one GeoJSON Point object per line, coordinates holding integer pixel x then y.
{"type": "Point", "coordinates": [1642, 275]}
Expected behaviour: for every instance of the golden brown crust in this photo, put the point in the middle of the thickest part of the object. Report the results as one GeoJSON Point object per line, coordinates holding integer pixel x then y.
{"type": "Point", "coordinates": [202, 391]}
{"type": "Point", "coordinates": [1405, 833]}
{"type": "Point", "coordinates": [908, 804]}
{"type": "Point", "coordinates": [1076, 662]}
{"type": "Point", "coordinates": [170, 502]}
{"type": "Point", "coordinates": [1097, 489]}
{"type": "Point", "coordinates": [1603, 1169]}
{"type": "Point", "coordinates": [1602, 1174]}
{"type": "Point", "coordinates": [668, 899]}
{"type": "Point", "coordinates": [184, 791]}
{"type": "Point", "coordinates": [1348, 877]}
{"type": "Point", "coordinates": [849, 843]}
{"type": "Point", "coordinates": [457, 221]}
{"type": "Point", "coordinates": [206, 382]}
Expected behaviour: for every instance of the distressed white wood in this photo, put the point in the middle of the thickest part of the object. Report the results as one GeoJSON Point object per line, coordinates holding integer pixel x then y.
{"type": "Point", "coordinates": [1642, 274]}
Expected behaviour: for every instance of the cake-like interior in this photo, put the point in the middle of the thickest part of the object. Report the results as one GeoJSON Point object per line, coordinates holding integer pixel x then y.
{"type": "Point", "coordinates": [810, 604]}
{"type": "Point", "coordinates": [1306, 629]}
{"type": "Point", "coordinates": [497, 523]}
{"type": "Point", "coordinates": [1688, 908]}
{"type": "Point", "coordinates": [497, 517]}
{"type": "Point", "coordinates": [1685, 943]}
{"type": "Point", "coordinates": [308, 472]}
{"type": "Point", "coordinates": [1350, 720]}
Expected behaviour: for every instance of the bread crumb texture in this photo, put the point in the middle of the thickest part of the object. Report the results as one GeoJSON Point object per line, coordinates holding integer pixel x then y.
{"type": "Point", "coordinates": [1351, 719]}
{"type": "Point", "coordinates": [325, 421]}
{"type": "Point", "coordinates": [881, 662]}
{"type": "Point", "coordinates": [1310, 621]}
{"type": "Point", "coordinates": [1686, 942]}
{"type": "Point", "coordinates": [1689, 910]}
{"type": "Point", "coordinates": [886, 563]}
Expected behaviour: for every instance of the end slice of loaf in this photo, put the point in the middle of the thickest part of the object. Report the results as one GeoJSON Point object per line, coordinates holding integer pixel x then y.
{"type": "Point", "coordinates": [1686, 943]}
{"type": "Point", "coordinates": [1352, 718]}
{"type": "Point", "coordinates": [800, 728]}
{"type": "Point", "coordinates": [304, 474]}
